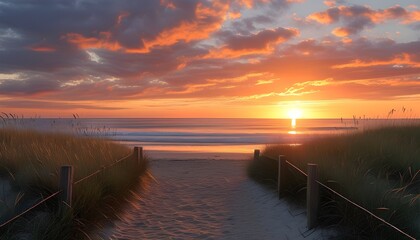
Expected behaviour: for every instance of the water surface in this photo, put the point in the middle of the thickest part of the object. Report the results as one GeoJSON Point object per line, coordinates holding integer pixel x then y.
{"type": "Point", "coordinates": [197, 137]}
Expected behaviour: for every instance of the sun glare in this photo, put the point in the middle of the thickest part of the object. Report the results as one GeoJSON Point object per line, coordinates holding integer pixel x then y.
{"type": "Point", "coordinates": [294, 114]}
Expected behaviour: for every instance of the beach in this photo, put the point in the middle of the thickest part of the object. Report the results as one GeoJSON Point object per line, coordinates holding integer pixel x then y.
{"type": "Point", "coordinates": [207, 199]}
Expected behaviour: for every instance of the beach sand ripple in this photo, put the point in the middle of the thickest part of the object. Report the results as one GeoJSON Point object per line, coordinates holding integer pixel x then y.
{"type": "Point", "coordinates": [208, 199]}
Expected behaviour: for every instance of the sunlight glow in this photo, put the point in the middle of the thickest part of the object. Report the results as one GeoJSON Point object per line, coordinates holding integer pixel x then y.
{"type": "Point", "coordinates": [294, 114]}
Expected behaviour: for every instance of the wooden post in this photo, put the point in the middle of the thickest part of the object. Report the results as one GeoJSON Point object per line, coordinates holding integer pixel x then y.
{"type": "Point", "coordinates": [138, 154]}
{"type": "Point", "coordinates": [312, 195]}
{"type": "Point", "coordinates": [281, 178]}
{"type": "Point", "coordinates": [66, 184]}
{"type": "Point", "coordinates": [256, 154]}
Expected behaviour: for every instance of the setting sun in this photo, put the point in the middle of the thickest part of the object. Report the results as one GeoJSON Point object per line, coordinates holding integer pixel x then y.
{"type": "Point", "coordinates": [295, 113]}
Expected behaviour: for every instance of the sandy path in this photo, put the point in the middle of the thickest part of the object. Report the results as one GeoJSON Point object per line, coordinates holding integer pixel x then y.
{"type": "Point", "coordinates": [207, 199]}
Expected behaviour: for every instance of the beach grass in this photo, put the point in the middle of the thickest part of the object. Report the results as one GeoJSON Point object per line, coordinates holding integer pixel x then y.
{"type": "Point", "coordinates": [29, 166]}
{"type": "Point", "coordinates": [378, 168]}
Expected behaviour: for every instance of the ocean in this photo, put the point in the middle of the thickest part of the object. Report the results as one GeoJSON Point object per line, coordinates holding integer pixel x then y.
{"type": "Point", "coordinates": [191, 138]}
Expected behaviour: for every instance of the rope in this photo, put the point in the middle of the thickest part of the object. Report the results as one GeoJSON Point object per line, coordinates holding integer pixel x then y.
{"type": "Point", "coordinates": [353, 203]}
{"type": "Point", "coordinates": [100, 170]}
{"type": "Point", "coordinates": [87, 177]}
{"type": "Point", "coordinates": [297, 169]}
{"type": "Point", "coordinates": [29, 209]}
{"type": "Point", "coordinates": [293, 166]}
{"type": "Point", "coordinates": [367, 211]}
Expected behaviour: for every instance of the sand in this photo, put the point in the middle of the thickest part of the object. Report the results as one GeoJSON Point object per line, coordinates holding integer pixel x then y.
{"type": "Point", "coordinates": [208, 199]}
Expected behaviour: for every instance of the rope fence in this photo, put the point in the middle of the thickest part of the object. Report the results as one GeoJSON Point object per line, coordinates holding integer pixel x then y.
{"type": "Point", "coordinates": [66, 184]}
{"type": "Point", "coordinates": [365, 210]}
{"type": "Point", "coordinates": [312, 194]}
{"type": "Point", "coordinates": [29, 209]}
{"type": "Point", "coordinates": [102, 169]}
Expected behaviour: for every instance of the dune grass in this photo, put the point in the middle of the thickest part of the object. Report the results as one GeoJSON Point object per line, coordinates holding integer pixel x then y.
{"type": "Point", "coordinates": [377, 168]}
{"type": "Point", "coordinates": [30, 162]}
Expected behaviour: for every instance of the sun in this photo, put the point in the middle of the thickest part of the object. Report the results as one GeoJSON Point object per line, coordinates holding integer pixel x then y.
{"type": "Point", "coordinates": [294, 114]}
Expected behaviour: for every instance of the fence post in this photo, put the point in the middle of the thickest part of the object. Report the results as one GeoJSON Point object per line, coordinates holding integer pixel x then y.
{"type": "Point", "coordinates": [66, 184]}
{"type": "Point", "coordinates": [312, 195]}
{"type": "Point", "coordinates": [138, 154]}
{"type": "Point", "coordinates": [281, 178]}
{"type": "Point", "coordinates": [256, 154]}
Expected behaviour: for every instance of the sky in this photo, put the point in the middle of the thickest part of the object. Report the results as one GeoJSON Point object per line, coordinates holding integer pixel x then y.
{"type": "Point", "coordinates": [197, 58]}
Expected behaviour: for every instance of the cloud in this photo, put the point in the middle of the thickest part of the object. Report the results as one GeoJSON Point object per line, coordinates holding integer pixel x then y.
{"type": "Point", "coordinates": [119, 51]}
{"type": "Point", "coordinates": [374, 89]}
{"type": "Point", "coordinates": [246, 25]}
{"type": "Point", "coordinates": [330, 3]}
{"type": "Point", "coordinates": [298, 89]}
{"type": "Point", "coordinates": [206, 18]}
{"type": "Point", "coordinates": [257, 3]}
{"type": "Point", "coordinates": [27, 87]}
{"type": "Point", "coordinates": [260, 82]}
{"type": "Point", "coordinates": [329, 16]}
{"type": "Point", "coordinates": [76, 48]}
{"type": "Point", "coordinates": [34, 104]}
{"type": "Point", "coordinates": [262, 42]}
{"type": "Point", "coordinates": [356, 18]}
{"type": "Point", "coordinates": [400, 61]}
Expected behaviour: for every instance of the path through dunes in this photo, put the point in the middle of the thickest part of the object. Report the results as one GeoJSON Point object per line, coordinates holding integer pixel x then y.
{"type": "Point", "coordinates": [208, 199]}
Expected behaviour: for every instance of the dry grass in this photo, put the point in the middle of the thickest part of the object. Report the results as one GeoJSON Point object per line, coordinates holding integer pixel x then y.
{"type": "Point", "coordinates": [31, 160]}
{"type": "Point", "coordinates": [377, 168]}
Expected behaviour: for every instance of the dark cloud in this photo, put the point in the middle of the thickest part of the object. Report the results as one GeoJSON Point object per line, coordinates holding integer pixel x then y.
{"type": "Point", "coordinates": [356, 18]}
{"type": "Point", "coordinates": [33, 104]}
{"type": "Point", "coordinates": [25, 59]}
{"type": "Point", "coordinates": [259, 40]}
{"type": "Point", "coordinates": [244, 26]}
{"type": "Point", "coordinates": [28, 86]}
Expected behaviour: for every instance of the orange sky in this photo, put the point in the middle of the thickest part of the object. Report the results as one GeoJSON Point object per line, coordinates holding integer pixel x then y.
{"type": "Point", "coordinates": [232, 58]}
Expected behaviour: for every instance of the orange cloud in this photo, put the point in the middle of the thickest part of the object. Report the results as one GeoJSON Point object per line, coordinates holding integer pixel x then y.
{"type": "Point", "coordinates": [330, 3]}
{"type": "Point", "coordinates": [246, 3]}
{"type": "Point", "coordinates": [326, 17]}
{"type": "Point", "coordinates": [341, 32]}
{"type": "Point", "coordinates": [414, 16]}
{"type": "Point", "coordinates": [42, 49]}
{"type": "Point", "coordinates": [229, 53]}
{"type": "Point", "coordinates": [189, 31]}
{"type": "Point", "coordinates": [346, 40]}
{"type": "Point", "coordinates": [234, 15]}
{"type": "Point", "coordinates": [208, 20]}
{"type": "Point", "coordinates": [103, 41]}
{"type": "Point", "coordinates": [403, 60]}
